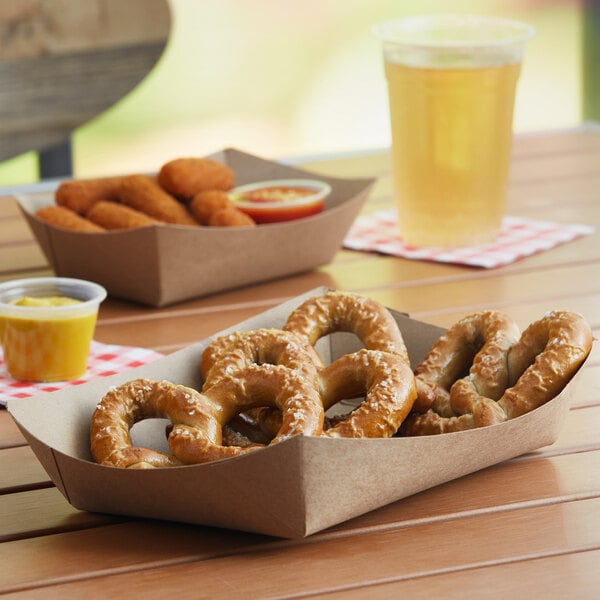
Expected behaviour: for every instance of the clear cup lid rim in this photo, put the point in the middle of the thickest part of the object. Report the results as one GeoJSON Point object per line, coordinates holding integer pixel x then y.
{"type": "Point", "coordinates": [27, 287]}
{"type": "Point", "coordinates": [403, 31]}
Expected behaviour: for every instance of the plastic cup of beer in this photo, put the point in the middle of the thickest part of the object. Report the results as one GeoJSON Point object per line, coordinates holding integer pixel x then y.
{"type": "Point", "coordinates": [451, 84]}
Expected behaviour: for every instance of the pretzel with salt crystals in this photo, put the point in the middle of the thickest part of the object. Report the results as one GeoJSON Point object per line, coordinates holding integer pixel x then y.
{"type": "Point", "coordinates": [381, 370]}
{"type": "Point", "coordinates": [478, 345]}
{"type": "Point", "coordinates": [236, 351]}
{"type": "Point", "coordinates": [123, 406]}
{"type": "Point", "coordinates": [345, 311]}
{"type": "Point", "coordinates": [544, 359]}
{"type": "Point", "coordinates": [197, 418]}
{"type": "Point", "coordinates": [537, 367]}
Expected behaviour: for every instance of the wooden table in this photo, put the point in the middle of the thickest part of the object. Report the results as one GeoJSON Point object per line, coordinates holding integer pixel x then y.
{"type": "Point", "coordinates": [529, 527]}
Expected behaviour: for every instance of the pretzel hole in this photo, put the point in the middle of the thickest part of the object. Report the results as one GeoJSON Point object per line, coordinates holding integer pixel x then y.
{"type": "Point", "coordinates": [151, 433]}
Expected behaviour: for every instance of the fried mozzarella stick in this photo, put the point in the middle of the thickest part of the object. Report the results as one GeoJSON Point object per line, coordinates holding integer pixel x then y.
{"type": "Point", "coordinates": [111, 215]}
{"type": "Point", "coordinates": [67, 219]}
{"type": "Point", "coordinates": [185, 177]}
{"type": "Point", "coordinates": [81, 195]}
{"type": "Point", "coordinates": [143, 194]}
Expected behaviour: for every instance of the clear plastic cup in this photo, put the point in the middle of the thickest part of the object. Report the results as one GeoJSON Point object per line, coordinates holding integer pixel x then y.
{"type": "Point", "coordinates": [46, 326]}
{"type": "Point", "coordinates": [451, 84]}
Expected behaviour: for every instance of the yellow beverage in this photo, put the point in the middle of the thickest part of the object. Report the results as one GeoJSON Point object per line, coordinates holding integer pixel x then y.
{"type": "Point", "coordinates": [452, 135]}
{"type": "Point", "coordinates": [47, 348]}
{"type": "Point", "coordinates": [451, 84]}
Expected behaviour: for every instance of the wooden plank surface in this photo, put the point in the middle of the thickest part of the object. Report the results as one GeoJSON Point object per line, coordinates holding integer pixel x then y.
{"type": "Point", "coordinates": [527, 527]}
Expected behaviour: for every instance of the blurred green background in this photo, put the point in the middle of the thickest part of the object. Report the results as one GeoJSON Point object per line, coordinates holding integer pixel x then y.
{"type": "Point", "coordinates": [283, 78]}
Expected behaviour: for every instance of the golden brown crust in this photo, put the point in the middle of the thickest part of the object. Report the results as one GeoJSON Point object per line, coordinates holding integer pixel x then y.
{"type": "Point", "coordinates": [81, 195]}
{"type": "Point", "coordinates": [61, 216]}
{"type": "Point", "coordinates": [544, 359]}
{"type": "Point", "coordinates": [230, 217]}
{"type": "Point", "coordinates": [345, 311]}
{"type": "Point", "coordinates": [143, 194]}
{"type": "Point", "coordinates": [381, 370]}
{"type": "Point", "coordinates": [477, 344]}
{"type": "Point", "coordinates": [207, 202]}
{"type": "Point", "coordinates": [111, 215]}
{"type": "Point", "coordinates": [129, 403]}
{"type": "Point", "coordinates": [388, 384]}
{"type": "Point", "coordinates": [532, 371]}
{"type": "Point", "coordinates": [185, 177]}
{"type": "Point", "coordinates": [198, 418]}
{"type": "Point", "coordinates": [275, 386]}
{"type": "Point", "coordinates": [234, 352]}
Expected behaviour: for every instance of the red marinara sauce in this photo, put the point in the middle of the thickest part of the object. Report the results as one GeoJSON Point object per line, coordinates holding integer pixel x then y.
{"type": "Point", "coordinates": [281, 200]}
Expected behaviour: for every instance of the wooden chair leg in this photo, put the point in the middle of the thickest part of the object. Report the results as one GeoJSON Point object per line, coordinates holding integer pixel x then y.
{"type": "Point", "coordinates": [56, 161]}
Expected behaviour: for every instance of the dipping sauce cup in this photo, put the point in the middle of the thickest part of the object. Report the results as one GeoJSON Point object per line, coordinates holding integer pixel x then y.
{"type": "Point", "coordinates": [281, 199]}
{"type": "Point", "coordinates": [46, 326]}
{"type": "Point", "coordinates": [451, 84]}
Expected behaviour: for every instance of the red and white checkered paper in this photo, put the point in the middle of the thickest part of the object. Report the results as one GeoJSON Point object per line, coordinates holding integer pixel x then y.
{"type": "Point", "coordinates": [518, 238]}
{"type": "Point", "coordinates": [104, 360]}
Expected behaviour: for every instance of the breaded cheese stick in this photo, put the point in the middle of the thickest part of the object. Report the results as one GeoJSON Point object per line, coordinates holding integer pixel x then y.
{"type": "Point", "coordinates": [112, 215]}
{"type": "Point", "coordinates": [80, 195]}
{"type": "Point", "coordinates": [185, 177]}
{"type": "Point", "coordinates": [205, 203]}
{"type": "Point", "coordinates": [143, 194]}
{"type": "Point", "coordinates": [67, 219]}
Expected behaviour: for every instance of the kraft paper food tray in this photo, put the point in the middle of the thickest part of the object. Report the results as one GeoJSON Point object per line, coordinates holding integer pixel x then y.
{"type": "Point", "coordinates": [291, 489]}
{"type": "Point", "coordinates": [161, 265]}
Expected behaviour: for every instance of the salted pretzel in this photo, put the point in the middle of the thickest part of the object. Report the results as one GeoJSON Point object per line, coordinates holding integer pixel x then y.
{"type": "Point", "coordinates": [535, 369]}
{"type": "Point", "coordinates": [197, 418]}
{"type": "Point", "coordinates": [345, 311]}
{"type": "Point", "coordinates": [255, 385]}
{"type": "Point", "coordinates": [235, 351]}
{"type": "Point", "coordinates": [388, 384]}
{"type": "Point", "coordinates": [478, 345]}
{"type": "Point", "coordinates": [123, 406]}
{"type": "Point", "coordinates": [544, 359]}
{"type": "Point", "coordinates": [381, 370]}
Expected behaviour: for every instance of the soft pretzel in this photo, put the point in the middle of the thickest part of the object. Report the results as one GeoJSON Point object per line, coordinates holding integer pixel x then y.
{"type": "Point", "coordinates": [345, 311]}
{"type": "Point", "coordinates": [135, 401]}
{"type": "Point", "coordinates": [388, 384]}
{"type": "Point", "coordinates": [381, 370]}
{"type": "Point", "coordinates": [197, 419]}
{"type": "Point", "coordinates": [536, 368]}
{"type": "Point", "coordinates": [544, 359]}
{"type": "Point", "coordinates": [477, 345]}
{"type": "Point", "coordinates": [256, 385]}
{"type": "Point", "coordinates": [236, 351]}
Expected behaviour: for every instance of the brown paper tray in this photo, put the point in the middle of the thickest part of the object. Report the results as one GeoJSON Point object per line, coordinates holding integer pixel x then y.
{"type": "Point", "coordinates": [161, 265]}
{"type": "Point", "coordinates": [292, 489]}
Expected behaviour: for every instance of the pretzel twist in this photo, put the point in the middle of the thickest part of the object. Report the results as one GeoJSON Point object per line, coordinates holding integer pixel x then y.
{"type": "Point", "coordinates": [198, 418]}
{"type": "Point", "coordinates": [381, 370]}
{"type": "Point", "coordinates": [236, 351]}
{"type": "Point", "coordinates": [256, 385]}
{"type": "Point", "coordinates": [544, 359]}
{"type": "Point", "coordinates": [123, 406]}
{"type": "Point", "coordinates": [388, 384]}
{"type": "Point", "coordinates": [345, 311]}
{"type": "Point", "coordinates": [507, 379]}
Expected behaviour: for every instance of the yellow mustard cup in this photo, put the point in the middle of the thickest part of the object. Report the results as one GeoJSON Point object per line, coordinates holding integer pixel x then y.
{"type": "Point", "coordinates": [47, 325]}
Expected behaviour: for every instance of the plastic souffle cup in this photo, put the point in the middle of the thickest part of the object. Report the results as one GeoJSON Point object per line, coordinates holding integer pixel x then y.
{"type": "Point", "coordinates": [47, 325]}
